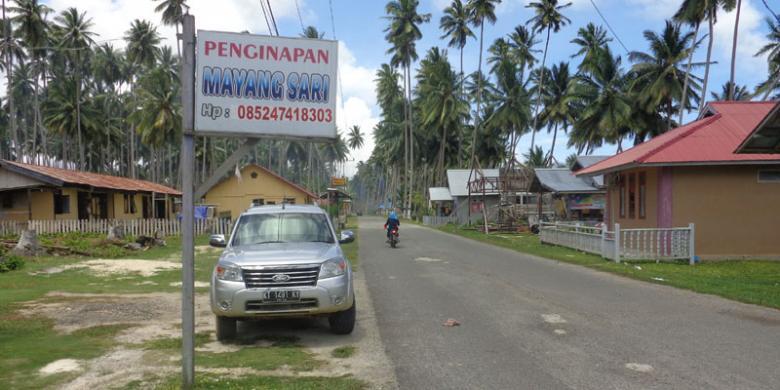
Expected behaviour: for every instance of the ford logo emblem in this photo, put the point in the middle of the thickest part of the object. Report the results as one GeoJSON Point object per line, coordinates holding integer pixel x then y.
{"type": "Point", "coordinates": [280, 278]}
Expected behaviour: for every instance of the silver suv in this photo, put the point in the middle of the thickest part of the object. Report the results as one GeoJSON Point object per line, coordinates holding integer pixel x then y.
{"type": "Point", "coordinates": [282, 261]}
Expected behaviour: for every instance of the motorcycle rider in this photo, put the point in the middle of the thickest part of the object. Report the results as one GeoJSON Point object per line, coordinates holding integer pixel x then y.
{"type": "Point", "coordinates": [392, 223]}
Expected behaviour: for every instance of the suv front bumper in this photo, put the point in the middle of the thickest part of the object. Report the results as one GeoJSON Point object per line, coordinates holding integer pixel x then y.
{"type": "Point", "coordinates": [234, 299]}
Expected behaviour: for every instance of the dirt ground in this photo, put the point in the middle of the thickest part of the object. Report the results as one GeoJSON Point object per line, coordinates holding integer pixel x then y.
{"type": "Point", "coordinates": [156, 316]}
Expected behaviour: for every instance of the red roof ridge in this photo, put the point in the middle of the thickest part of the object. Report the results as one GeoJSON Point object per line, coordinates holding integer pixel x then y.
{"type": "Point", "coordinates": [696, 125]}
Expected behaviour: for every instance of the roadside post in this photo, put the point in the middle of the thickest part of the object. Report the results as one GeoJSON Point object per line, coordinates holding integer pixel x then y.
{"type": "Point", "coordinates": [188, 203]}
{"type": "Point", "coordinates": [250, 87]}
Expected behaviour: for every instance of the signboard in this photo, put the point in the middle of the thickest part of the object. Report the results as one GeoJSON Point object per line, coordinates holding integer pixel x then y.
{"type": "Point", "coordinates": [259, 85]}
{"type": "Point", "coordinates": [587, 201]}
{"type": "Point", "coordinates": [338, 181]}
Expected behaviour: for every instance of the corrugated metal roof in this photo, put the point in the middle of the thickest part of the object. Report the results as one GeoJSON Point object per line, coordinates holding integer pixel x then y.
{"type": "Point", "coordinates": [96, 180]}
{"type": "Point", "coordinates": [439, 194]}
{"type": "Point", "coordinates": [710, 140]}
{"type": "Point", "coordinates": [457, 180]}
{"type": "Point", "coordinates": [562, 180]}
{"type": "Point", "coordinates": [586, 161]}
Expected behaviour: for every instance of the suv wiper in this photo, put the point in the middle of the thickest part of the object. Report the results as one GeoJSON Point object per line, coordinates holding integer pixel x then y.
{"type": "Point", "coordinates": [325, 241]}
{"type": "Point", "coordinates": [268, 242]}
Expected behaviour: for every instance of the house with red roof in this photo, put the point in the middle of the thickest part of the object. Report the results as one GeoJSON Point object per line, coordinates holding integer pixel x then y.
{"type": "Point", "coordinates": [695, 174]}
{"type": "Point", "coordinates": [35, 192]}
{"type": "Point", "coordinates": [254, 185]}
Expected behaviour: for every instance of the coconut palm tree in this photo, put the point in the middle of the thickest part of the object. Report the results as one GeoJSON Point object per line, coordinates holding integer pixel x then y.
{"type": "Point", "coordinates": [442, 106]}
{"type": "Point", "coordinates": [695, 11]}
{"type": "Point", "coordinates": [403, 33]}
{"type": "Point", "coordinates": [658, 72]}
{"type": "Point", "coordinates": [480, 11]}
{"type": "Point", "coordinates": [730, 92]}
{"type": "Point", "coordinates": [455, 26]}
{"type": "Point", "coordinates": [76, 37]}
{"type": "Point", "coordinates": [142, 52]}
{"type": "Point", "coordinates": [535, 158]}
{"type": "Point", "coordinates": [32, 28]}
{"type": "Point", "coordinates": [558, 110]}
{"type": "Point", "coordinates": [604, 104]}
{"type": "Point", "coordinates": [772, 50]}
{"type": "Point", "coordinates": [171, 13]}
{"type": "Point", "coordinates": [511, 101]}
{"type": "Point", "coordinates": [355, 138]}
{"type": "Point", "coordinates": [522, 41]}
{"type": "Point", "coordinates": [312, 32]}
{"type": "Point", "coordinates": [547, 17]}
{"type": "Point", "coordinates": [592, 41]}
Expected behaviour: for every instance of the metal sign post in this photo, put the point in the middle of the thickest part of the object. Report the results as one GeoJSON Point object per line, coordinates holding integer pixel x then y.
{"type": "Point", "coordinates": [248, 86]}
{"type": "Point", "coordinates": [188, 206]}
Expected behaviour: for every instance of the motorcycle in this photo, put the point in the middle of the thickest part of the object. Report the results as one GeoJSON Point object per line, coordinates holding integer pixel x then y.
{"type": "Point", "coordinates": [393, 239]}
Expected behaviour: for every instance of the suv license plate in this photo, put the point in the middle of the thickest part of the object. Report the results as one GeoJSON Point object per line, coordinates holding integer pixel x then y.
{"type": "Point", "coordinates": [282, 296]}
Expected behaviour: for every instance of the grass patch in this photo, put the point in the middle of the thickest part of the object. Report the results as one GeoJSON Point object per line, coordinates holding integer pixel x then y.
{"type": "Point", "coordinates": [351, 249]}
{"type": "Point", "coordinates": [749, 281]}
{"type": "Point", "coordinates": [343, 352]}
{"type": "Point", "coordinates": [262, 358]}
{"type": "Point", "coordinates": [209, 382]}
{"type": "Point", "coordinates": [28, 344]}
{"type": "Point", "coordinates": [174, 343]}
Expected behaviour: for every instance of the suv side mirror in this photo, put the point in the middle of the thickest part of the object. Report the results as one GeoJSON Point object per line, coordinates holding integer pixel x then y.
{"type": "Point", "coordinates": [217, 241]}
{"type": "Point", "coordinates": [346, 237]}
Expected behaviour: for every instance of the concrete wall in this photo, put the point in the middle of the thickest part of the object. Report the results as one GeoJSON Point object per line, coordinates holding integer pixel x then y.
{"type": "Point", "coordinates": [234, 196]}
{"type": "Point", "coordinates": [735, 215]}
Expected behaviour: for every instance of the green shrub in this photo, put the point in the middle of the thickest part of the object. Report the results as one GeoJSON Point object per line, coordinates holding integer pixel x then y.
{"type": "Point", "coordinates": [11, 263]}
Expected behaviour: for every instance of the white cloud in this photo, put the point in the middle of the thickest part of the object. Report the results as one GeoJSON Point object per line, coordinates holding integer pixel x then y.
{"type": "Point", "coordinates": [654, 9]}
{"type": "Point", "coordinates": [750, 39]}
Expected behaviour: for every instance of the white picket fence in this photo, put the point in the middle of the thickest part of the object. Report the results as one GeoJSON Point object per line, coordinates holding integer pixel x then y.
{"type": "Point", "coordinates": [134, 227]}
{"type": "Point", "coordinates": [624, 244]}
{"type": "Point", "coordinates": [433, 220]}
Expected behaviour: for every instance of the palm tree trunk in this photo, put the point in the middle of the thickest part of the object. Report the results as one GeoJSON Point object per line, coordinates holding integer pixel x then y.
{"type": "Point", "coordinates": [707, 65]}
{"type": "Point", "coordinates": [411, 142]}
{"type": "Point", "coordinates": [78, 111]}
{"type": "Point", "coordinates": [406, 141]}
{"type": "Point", "coordinates": [9, 94]}
{"type": "Point", "coordinates": [540, 90]}
{"type": "Point", "coordinates": [688, 73]}
{"type": "Point", "coordinates": [478, 117]}
{"type": "Point", "coordinates": [732, 86]}
{"type": "Point", "coordinates": [552, 147]}
{"type": "Point", "coordinates": [442, 144]}
{"type": "Point", "coordinates": [462, 79]}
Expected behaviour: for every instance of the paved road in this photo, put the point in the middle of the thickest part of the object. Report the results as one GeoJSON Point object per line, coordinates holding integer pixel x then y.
{"type": "Point", "coordinates": [529, 323]}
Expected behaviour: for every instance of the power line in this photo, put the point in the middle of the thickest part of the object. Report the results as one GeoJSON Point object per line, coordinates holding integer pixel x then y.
{"type": "Point", "coordinates": [333, 28]}
{"type": "Point", "coordinates": [300, 18]}
{"type": "Point", "coordinates": [271, 11]}
{"type": "Point", "coordinates": [768, 8]}
{"type": "Point", "coordinates": [608, 25]}
{"type": "Point", "coordinates": [265, 15]}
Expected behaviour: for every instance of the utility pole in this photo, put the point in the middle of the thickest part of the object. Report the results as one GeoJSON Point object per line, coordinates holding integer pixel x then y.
{"type": "Point", "coordinates": [187, 204]}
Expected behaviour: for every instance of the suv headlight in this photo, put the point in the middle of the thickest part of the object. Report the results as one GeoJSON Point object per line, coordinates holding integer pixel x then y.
{"type": "Point", "coordinates": [229, 272]}
{"type": "Point", "coordinates": [334, 267]}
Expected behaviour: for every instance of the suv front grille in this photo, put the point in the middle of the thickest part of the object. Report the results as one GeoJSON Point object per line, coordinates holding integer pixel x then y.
{"type": "Point", "coordinates": [296, 276]}
{"type": "Point", "coordinates": [306, 303]}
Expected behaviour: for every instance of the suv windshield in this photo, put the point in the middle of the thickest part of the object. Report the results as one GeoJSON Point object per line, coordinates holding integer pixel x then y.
{"type": "Point", "coordinates": [282, 227]}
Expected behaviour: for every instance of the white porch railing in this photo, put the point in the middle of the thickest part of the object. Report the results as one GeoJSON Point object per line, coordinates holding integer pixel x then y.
{"type": "Point", "coordinates": [623, 244]}
{"type": "Point", "coordinates": [133, 227]}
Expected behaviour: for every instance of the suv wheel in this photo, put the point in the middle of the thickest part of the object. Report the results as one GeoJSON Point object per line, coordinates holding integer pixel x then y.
{"type": "Point", "coordinates": [226, 328]}
{"type": "Point", "coordinates": [343, 322]}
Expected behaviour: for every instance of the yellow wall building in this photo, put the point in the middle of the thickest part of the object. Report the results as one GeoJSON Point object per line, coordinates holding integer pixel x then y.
{"type": "Point", "coordinates": [256, 185]}
{"type": "Point", "coordinates": [33, 192]}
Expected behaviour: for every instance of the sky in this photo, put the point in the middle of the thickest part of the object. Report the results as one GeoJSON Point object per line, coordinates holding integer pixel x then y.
{"type": "Point", "coordinates": [359, 25]}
